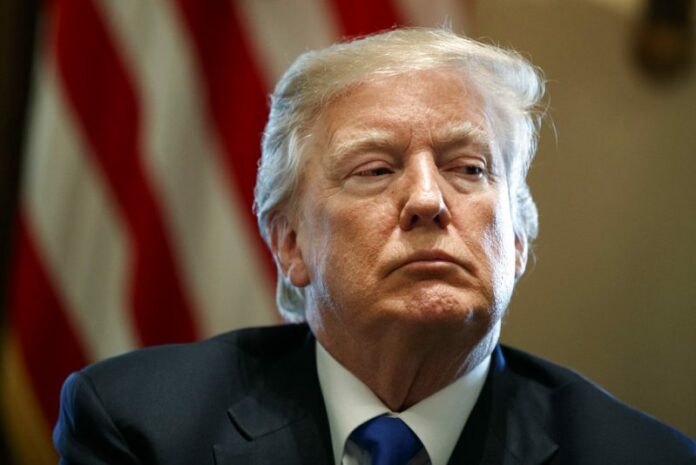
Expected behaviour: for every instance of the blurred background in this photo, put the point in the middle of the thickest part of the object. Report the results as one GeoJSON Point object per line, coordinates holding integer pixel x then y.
{"type": "Point", "coordinates": [129, 137]}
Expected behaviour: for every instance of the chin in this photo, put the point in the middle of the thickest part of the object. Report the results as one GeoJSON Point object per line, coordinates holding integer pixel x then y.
{"type": "Point", "coordinates": [442, 304]}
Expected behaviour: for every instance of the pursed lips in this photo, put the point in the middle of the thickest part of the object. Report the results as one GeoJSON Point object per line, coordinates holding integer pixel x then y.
{"type": "Point", "coordinates": [430, 256]}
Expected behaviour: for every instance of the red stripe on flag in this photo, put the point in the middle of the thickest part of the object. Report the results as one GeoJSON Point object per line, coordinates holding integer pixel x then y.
{"type": "Point", "coordinates": [235, 96]}
{"type": "Point", "coordinates": [360, 17]}
{"type": "Point", "coordinates": [50, 351]}
{"type": "Point", "coordinates": [105, 104]}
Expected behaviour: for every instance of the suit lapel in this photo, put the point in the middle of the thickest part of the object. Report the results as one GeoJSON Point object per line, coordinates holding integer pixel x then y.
{"type": "Point", "coordinates": [282, 419]}
{"type": "Point", "coordinates": [509, 423]}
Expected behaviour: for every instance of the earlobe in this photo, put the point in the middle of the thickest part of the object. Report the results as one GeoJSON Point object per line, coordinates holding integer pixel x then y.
{"type": "Point", "coordinates": [521, 253]}
{"type": "Point", "coordinates": [287, 251]}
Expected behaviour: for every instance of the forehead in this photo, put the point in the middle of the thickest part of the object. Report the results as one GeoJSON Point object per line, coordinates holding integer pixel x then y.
{"type": "Point", "coordinates": [418, 107]}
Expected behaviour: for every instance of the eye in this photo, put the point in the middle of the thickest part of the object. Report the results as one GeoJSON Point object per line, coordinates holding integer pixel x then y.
{"type": "Point", "coordinates": [370, 177]}
{"type": "Point", "coordinates": [373, 169]}
{"type": "Point", "coordinates": [378, 171]}
{"type": "Point", "coordinates": [474, 170]}
{"type": "Point", "coordinates": [471, 170]}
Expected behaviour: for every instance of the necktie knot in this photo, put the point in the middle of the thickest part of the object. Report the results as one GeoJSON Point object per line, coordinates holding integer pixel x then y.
{"type": "Point", "coordinates": [388, 440]}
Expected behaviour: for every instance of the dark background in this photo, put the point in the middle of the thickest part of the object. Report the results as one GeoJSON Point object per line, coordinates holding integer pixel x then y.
{"type": "Point", "coordinates": [18, 20]}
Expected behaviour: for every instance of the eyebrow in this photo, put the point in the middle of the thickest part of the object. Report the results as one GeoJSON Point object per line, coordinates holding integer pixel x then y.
{"type": "Point", "coordinates": [465, 133]}
{"type": "Point", "coordinates": [366, 139]}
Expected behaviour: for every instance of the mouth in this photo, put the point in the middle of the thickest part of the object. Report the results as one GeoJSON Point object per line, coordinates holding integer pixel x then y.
{"type": "Point", "coordinates": [430, 260]}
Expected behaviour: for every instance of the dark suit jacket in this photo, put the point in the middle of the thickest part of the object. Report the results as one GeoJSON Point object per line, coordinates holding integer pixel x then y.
{"type": "Point", "coordinates": [253, 397]}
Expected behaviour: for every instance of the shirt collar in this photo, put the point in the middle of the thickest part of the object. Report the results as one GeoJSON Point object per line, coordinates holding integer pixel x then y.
{"type": "Point", "coordinates": [437, 420]}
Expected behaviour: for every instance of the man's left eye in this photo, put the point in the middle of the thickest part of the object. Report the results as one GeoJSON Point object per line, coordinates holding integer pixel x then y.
{"type": "Point", "coordinates": [475, 170]}
{"type": "Point", "coordinates": [472, 170]}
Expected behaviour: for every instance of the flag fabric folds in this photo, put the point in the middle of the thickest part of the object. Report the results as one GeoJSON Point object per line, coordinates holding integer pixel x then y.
{"type": "Point", "coordinates": [135, 224]}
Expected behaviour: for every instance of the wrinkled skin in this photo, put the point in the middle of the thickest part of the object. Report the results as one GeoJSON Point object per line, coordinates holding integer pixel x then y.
{"type": "Point", "coordinates": [403, 234]}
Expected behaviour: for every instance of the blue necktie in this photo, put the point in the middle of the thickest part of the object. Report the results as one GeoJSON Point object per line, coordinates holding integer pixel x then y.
{"type": "Point", "coordinates": [388, 440]}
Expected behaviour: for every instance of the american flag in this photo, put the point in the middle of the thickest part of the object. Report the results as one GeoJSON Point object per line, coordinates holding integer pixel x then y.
{"type": "Point", "coordinates": [135, 224]}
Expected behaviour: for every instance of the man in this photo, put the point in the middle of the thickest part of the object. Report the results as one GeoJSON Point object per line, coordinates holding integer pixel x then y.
{"type": "Point", "coordinates": [392, 193]}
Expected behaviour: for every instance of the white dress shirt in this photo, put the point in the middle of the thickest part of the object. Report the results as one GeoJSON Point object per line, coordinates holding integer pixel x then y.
{"type": "Point", "coordinates": [437, 420]}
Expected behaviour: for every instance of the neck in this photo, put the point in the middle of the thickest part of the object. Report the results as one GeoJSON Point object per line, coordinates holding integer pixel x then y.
{"type": "Point", "coordinates": [402, 373]}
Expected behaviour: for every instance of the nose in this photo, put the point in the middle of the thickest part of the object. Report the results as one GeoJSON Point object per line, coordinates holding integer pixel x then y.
{"type": "Point", "coordinates": [425, 203]}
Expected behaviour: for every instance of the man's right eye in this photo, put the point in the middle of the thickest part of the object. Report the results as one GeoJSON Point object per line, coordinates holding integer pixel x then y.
{"type": "Point", "coordinates": [379, 171]}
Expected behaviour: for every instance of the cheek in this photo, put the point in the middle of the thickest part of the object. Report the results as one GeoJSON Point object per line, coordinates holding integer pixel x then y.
{"type": "Point", "coordinates": [492, 236]}
{"type": "Point", "coordinates": [342, 238]}
{"type": "Point", "coordinates": [499, 245]}
{"type": "Point", "coordinates": [358, 233]}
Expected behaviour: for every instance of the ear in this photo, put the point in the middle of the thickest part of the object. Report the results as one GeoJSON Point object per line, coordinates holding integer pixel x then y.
{"type": "Point", "coordinates": [521, 253]}
{"type": "Point", "coordinates": [287, 252]}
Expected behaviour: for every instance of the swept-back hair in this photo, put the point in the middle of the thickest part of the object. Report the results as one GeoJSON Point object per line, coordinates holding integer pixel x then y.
{"type": "Point", "coordinates": [510, 88]}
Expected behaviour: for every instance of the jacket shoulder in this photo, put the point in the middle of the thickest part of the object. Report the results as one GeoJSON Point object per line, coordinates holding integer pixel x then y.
{"type": "Point", "coordinates": [595, 425]}
{"type": "Point", "coordinates": [223, 359]}
{"type": "Point", "coordinates": [150, 402]}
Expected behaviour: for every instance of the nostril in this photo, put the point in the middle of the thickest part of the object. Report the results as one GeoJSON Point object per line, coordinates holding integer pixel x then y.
{"type": "Point", "coordinates": [420, 210]}
{"type": "Point", "coordinates": [415, 219]}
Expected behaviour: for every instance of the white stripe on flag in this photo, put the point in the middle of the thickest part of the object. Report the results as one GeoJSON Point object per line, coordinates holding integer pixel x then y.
{"type": "Point", "coordinates": [281, 30]}
{"type": "Point", "coordinates": [78, 235]}
{"type": "Point", "coordinates": [220, 262]}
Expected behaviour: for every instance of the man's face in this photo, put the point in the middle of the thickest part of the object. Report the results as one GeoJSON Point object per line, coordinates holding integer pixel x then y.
{"type": "Point", "coordinates": [403, 214]}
